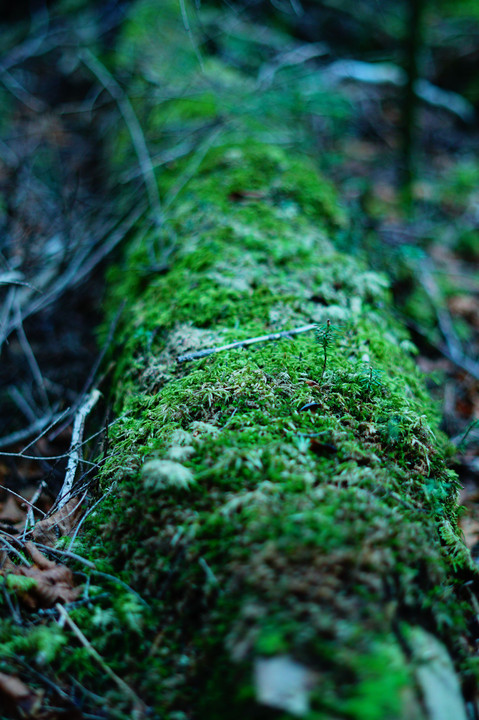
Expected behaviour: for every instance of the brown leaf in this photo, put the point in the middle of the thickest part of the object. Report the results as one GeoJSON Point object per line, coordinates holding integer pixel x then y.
{"type": "Point", "coordinates": [15, 696]}
{"type": "Point", "coordinates": [55, 585]}
{"type": "Point", "coordinates": [53, 582]}
{"type": "Point", "coordinates": [38, 558]}
{"type": "Point", "coordinates": [11, 512]}
{"type": "Point", "coordinates": [63, 522]}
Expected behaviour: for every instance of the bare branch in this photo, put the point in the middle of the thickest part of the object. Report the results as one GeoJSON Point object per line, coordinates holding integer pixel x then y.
{"type": "Point", "coordinates": [31, 359]}
{"type": "Point", "coordinates": [297, 56]}
{"type": "Point", "coordinates": [80, 267]}
{"type": "Point", "coordinates": [37, 426]}
{"type": "Point", "coordinates": [27, 502]}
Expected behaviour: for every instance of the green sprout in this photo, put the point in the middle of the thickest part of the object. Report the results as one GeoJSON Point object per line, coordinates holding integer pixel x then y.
{"type": "Point", "coordinates": [326, 335]}
{"type": "Point", "coordinates": [370, 380]}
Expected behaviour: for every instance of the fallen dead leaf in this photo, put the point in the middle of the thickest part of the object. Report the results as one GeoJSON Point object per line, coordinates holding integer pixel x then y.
{"type": "Point", "coordinates": [63, 522]}
{"type": "Point", "coordinates": [53, 582]}
{"type": "Point", "coordinates": [17, 697]}
{"type": "Point", "coordinates": [11, 512]}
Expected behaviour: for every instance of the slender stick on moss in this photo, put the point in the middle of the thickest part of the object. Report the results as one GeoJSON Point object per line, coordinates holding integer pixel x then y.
{"type": "Point", "coordinates": [35, 427]}
{"type": "Point", "coordinates": [242, 343]}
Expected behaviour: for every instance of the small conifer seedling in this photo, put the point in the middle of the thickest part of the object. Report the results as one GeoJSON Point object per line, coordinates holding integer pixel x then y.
{"type": "Point", "coordinates": [326, 335]}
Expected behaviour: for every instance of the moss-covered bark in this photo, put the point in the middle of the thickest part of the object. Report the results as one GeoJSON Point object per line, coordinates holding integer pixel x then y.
{"type": "Point", "coordinates": [286, 511]}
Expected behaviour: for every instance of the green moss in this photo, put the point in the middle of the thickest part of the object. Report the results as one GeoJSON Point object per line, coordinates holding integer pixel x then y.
{"type": "Point", "coordinates": [301, 526]}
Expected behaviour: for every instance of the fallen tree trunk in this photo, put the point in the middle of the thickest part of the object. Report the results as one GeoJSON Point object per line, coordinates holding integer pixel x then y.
{"type": "Point", "coordinates": [286, 508]}
{"type": "Point", "coordinates": [282, 512]}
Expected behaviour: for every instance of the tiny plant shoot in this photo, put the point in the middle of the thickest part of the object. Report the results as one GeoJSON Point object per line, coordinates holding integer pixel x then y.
{"type": "Point", "coordinates": [326, 335]}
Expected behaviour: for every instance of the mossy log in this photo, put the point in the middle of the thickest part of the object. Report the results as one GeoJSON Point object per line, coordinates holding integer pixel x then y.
{"type": "Point", "coordinates": [286, 510]}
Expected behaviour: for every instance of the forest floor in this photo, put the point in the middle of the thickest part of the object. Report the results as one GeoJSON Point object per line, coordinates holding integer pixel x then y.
{"type": "Point", "coordinates": [53, 205]}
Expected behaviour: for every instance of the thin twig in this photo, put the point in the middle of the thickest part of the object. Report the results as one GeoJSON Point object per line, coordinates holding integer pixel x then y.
{"type": "Point", "coordinates": [163, 158]}
{"type": "Point", "coordinates": [132, 123]}
{"type": "Point", "coordinates": [74, 456]}
{"type": "Point", "coordinates": [89, 511]}
{"type": "Point", "coordinates": [67, 553]}
{"type": "Point", "coordinates": [296, 56]}
{"type": "Point", "coordinates": [13, 550]}
{"type": "Point", "coordinates": [35, 427]}
{"type": "Point", "coordinates": [21, 403]}
{"type": "Point", "coordinates": [139, 707]}
{"type": "Point", "coordinates": [187, 26]}
{"type": "Point", "coordinates": [31, 359]}
{"type": "Point", "coordinates": [6, 313]}
{"type": "Point", "coordinates": [43, 432]}
{"type": "Point", "coordinates": [80, 267]}
{"type": "Point", "coordinates": [453, 348]}
{"type": "Point", "coordinates": [17, 618]}
{"type": "Point", "coordinates": [21, 93]}
{"type": "Point", "coordinates": [243, 343]}
{"type": "Point", "coordinates": [92, 374]}
{"type": "Point", "coordinates": [30, 516]}
{"type": "Point", "coordinates": [61, 455]}
{"type": "Point", "coordinates": [27, 502]}
{"type": "Point", "coordinates": [56, 688]}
